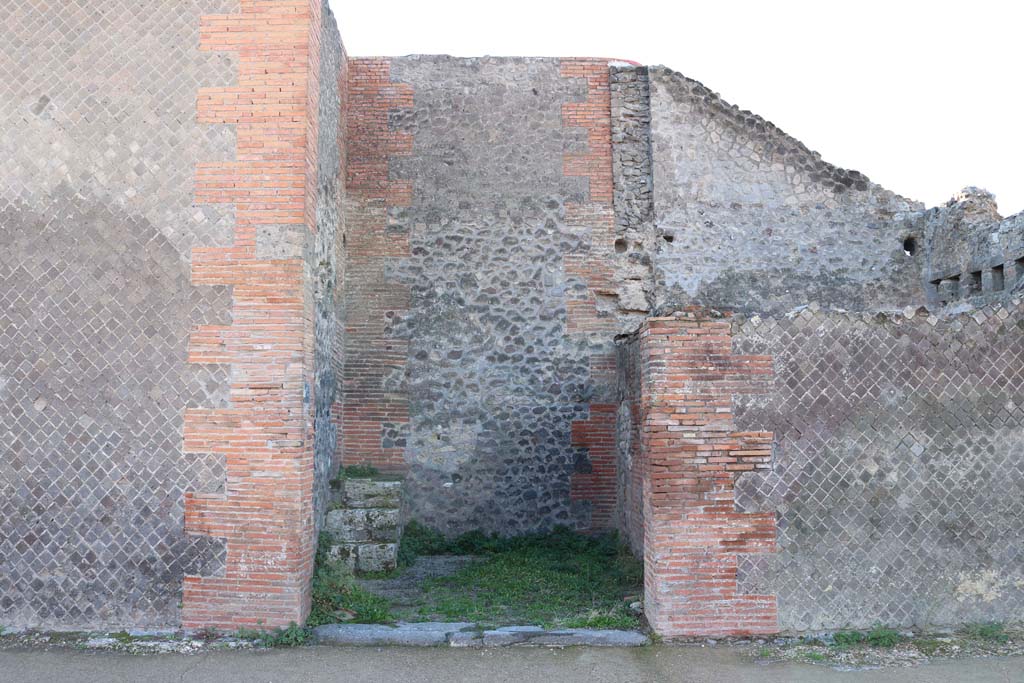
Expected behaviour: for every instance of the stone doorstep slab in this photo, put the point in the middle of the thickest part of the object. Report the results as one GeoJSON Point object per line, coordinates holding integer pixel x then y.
{"type": "Point", "coordinates": [461, 634]}
{"type": "Point", "coordinates": [420, 634]}
{"type": "Point", "coordinates": [366, 557]}
{"type": "Point", "coordinates": [359, 525]}
{"type": "Point", "coordinates": [369, 493]}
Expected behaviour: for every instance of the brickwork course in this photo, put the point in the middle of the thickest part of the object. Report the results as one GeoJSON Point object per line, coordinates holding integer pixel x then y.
{"type": "Point", "coordinates": [546, 291]}
{"type": "Point", "coordinates": [691, 455]}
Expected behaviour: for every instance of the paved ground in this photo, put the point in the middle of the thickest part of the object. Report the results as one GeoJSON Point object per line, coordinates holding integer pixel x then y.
{"type": "Point", "coordinates": [413, 665]}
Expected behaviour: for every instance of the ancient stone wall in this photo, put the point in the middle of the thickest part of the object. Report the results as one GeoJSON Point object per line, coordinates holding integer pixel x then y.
{"type": "Point", "coordinates": [630, 466]}
{"type": "Point", "coordinates": [100, 141]}
{"type": "Point", "coordinates": [749, 219]}
{"type": "Point", "coordinates": [896, 476]}
{"type": "Point", "coordinates": [970, 253]}
{"type": "Point", "coordinates": [324, 256]}
{"type": "Point", "coordinates": [167, 167]}
{"type": "Point", "coordinates": [477, 356]}
{"type": "Point", "coordinates": [691, 454]}
{"type": "Point", "coordinates": [891, 492]}
{"type": "Point", "coordinates": [278, 344]}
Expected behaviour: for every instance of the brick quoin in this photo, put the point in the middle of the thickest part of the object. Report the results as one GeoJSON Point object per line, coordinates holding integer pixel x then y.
{"type": "Point", "coordinates": [376, 403]}
{"type": "Point", "coordinates": [691, 456]}
{"type": "Point", "coordinates": [593, 266]}
{"type": "Point", "coordinates": [265, 514]}
{"type": "Point", "coordinates": [598, 486]}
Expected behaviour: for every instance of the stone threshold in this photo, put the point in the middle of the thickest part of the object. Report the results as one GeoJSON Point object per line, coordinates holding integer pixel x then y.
{"type": "Point", "coordinates": [464, 634]}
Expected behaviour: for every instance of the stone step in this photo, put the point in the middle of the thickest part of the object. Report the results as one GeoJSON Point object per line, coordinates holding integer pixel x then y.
{"type": "Point", "coordinates": [358, 525]}
{"type": "Point", "coordinates": [463, 634]}
{"type": "Point", "coordinates": [368, 493]}
{"type": "Point", "coordinates": [366, 557]}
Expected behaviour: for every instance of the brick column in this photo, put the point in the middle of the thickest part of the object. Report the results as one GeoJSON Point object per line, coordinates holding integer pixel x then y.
{"type": "Point", "coordinates": [691, 456]}
{"type": "Point", "coordinates": [592, 266]}
{"type": "Point", "coordinates": [376, 401]}
{"type": "Point", "coordinates": [265, 513]}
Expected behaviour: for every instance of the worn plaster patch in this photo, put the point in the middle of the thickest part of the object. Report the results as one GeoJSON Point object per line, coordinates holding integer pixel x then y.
{"type": "Point", "coordinates": [986, 585]}
{"type": "Point", "coordinates": [445, 447]}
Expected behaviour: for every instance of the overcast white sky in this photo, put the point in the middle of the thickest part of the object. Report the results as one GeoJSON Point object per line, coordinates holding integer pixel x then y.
{"type": "Point", "coordinates": [922, 97]}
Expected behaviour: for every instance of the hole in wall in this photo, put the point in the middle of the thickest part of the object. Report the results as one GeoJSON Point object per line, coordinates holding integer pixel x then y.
{"type": "Point", "coordinates": [974, 283]}
{"type": "Point", "coordinates": [998, 280]}
{"type": "Point", "coordinates": [949, 288]}
{"type": "Point", "coordinates": [668, 238]}
{"type": "Point", "coordinates": [909, 246]}
{"type": "Point", "coordinates": [620, 246]}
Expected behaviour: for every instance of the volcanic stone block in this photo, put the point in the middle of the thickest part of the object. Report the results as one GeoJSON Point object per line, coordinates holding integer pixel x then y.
{"type": "Point", "coordinates": [369, 493]}
{"type": "Point", "coordinates": [366, 557]}
{"type": "Point", "coordinates": [358, 525]}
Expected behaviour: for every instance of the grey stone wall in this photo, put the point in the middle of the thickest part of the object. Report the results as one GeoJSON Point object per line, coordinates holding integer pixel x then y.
{"type": "Point", "coordinates": [324, 253]}
{"type": "Point", "coordinates": [896, 476]}
{"type": "Point", "coordinates": [629, 468]}
{"type": "Point", "coordinates": [971, 254]}
{"type": "Point", "coordinates": [749, 219]}
{"type": "Point", "coordinates": [493, 380]}
{"type": "Point", "coordinates": [99, 138]}
{"type": "Point", "coordinates": [631, 147]}
{"type": "Point", "coordinates": [636, 239]}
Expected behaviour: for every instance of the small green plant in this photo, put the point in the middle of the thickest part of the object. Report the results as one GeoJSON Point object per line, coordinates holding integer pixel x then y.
{"type": "Point", "coordinates": [207, 634]}
{"type": "Point", "coordinates": [123, 637]}
{"type": "Point", "coordinates": [847, 639]}
{"type": "Point", "coordinates": [812, 640]}
{"type": "Point", "coordinates": [883, 636]}
{"type": "Point", "coordinates": [992, 631]}
{"type": "Point", "coordinates": [292, 636]}
{"type": "Point", "coordinates": [616, 618]}
{"type": "Point", "coordinates": [927, 646]}
{"type": "Point", "coordinates": [764, 653]}
{"type": "Point", "coordinates": [418, 540]}
{"type": "Point", "coordinates": [815, 656]}
{"type": "Point", "coordinates": [362, 471]}
{"type": "Point", "coordinates": [336, 597]}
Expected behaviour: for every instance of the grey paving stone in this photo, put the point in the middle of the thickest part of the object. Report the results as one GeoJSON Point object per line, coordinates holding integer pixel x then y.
{"type": "Point", "coordinates": [420, 634]}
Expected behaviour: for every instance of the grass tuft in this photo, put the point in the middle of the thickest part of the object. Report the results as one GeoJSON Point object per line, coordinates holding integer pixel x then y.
{"type": "Point", "coordinates": [992, 631]}
{"type": "Point", "coordinates": [882, 636]}
{"type": "Point", "coordinates": [557, 579]}
{"type": "Point", "coordinates": [879, 636]}
{"type": "Point", "coordinates": [293, 636]}
{"type": "Point", "coordinates": [336, 597]}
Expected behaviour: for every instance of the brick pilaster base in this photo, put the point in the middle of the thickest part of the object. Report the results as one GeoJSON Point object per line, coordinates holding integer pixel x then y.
{"type": "Point", "coordinates": [265, 514]}
{"type": "Point", "coordinates": [691, 456]}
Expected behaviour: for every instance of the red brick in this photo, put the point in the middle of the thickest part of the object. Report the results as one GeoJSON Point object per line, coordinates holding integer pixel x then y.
{"type": "Point", "coordinates": [692, 532]}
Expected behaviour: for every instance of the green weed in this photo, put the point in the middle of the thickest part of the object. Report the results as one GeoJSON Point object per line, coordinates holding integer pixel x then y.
{"type": "Point", "coordinates": [292, 636]}
{"type": "Point", "coordinates": [927, 646]}
{"type": "Point", "coordinates": [561, 578]}
{"type": "Point", "coordinates": [882, 636]}
{"type": "Point", "coordinates": [847, 639]}
{"type": "Point", "coordinates": [992, 631]}
{"type": "Point", "coordinates": [334, 593]}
